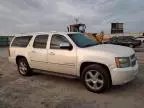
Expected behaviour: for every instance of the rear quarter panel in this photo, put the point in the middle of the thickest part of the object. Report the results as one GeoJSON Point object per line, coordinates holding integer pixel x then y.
{"type": "Point", "coordinates": [18, 51]}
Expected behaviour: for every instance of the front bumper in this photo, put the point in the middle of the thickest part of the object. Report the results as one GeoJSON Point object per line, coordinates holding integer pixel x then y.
{"type": "Point", "coordinates": [123, 75]}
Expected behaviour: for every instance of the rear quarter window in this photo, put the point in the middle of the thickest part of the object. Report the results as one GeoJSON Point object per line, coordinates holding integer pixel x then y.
{"type": "Point", "coordinates": [22, 41]}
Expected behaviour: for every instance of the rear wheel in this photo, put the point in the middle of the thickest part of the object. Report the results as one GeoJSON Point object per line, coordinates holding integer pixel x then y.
{"type": "Point", "coordinates": [23, 67]}
{"type": "Point", "coordinates": [96, 78]}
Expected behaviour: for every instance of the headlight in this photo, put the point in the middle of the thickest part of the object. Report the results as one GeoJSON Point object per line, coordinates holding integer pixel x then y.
{"type": "Point", "coordinates": [122, 62]}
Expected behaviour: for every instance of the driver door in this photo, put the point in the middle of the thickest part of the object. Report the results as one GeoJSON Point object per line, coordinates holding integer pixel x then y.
{"type": "Point", "coordinates": [61, 60]}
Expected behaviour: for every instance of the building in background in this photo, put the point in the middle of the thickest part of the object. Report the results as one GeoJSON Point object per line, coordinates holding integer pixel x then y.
{"type": "Point", "coordinates": [117, 28]}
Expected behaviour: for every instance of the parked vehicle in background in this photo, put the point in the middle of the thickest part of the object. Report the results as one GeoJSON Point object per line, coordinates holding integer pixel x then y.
{"type": "Point", "coordinates": [98, 65]}
{"type": "Point", "coordinates": [129, 41]}
{"type": "Point", "coordinates": [141, 38]}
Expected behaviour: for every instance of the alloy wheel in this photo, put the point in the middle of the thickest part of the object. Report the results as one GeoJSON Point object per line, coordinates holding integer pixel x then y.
{"type": "Point", "coordinates": [94, 79]}
{"type": "Point", "coordinates": [22, 68]}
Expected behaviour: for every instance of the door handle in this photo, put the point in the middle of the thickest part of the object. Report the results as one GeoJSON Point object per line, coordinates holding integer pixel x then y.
{"type": "Point", "coordinates": [52, 53]}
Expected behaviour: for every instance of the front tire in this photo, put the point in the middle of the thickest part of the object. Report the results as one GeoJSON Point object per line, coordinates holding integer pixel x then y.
{"type": "Point", "coordinates": [96, 79]}
{"type": "Point", "coordinates": [24, 68]}
{"type": "Point", "coordinates": [131, 46]}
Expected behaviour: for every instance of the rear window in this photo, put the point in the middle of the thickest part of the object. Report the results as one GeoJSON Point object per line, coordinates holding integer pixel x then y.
{"type": "Point", "coordinates": [21, 41]}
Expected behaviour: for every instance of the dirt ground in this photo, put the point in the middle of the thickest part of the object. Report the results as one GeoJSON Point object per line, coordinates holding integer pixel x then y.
{"type": "Point", "coordinates": [47, 91]}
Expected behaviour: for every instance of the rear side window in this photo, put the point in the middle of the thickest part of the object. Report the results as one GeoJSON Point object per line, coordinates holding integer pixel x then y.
{"type": "Point", "coordinates": [21, 41]}
{"type": "Point", "coordinates": [120, 38]}
{"type": "Point", "coordinates": [40, 41]}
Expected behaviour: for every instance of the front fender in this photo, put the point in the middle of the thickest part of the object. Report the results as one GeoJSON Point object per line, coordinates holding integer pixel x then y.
{"type": "Point", "coordinates": [107, 61]}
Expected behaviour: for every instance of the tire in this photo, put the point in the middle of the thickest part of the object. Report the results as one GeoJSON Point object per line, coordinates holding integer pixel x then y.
{"type": "Point", "coordinates": [23, 67]}
{"type": "Point", "coordinates": [100, 75]}
{"type": "Point", "coordinates": [131, 45]}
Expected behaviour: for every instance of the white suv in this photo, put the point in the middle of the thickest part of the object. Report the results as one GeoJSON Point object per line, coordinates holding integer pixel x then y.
{"type": "Point", "coordinates": [74, 54]}
{"type": "Point", "coordinates": [141, 38]}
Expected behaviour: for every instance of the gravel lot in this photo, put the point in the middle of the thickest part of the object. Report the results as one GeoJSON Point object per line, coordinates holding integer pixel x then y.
{"type": "Point", "coordinates": [47, 91]}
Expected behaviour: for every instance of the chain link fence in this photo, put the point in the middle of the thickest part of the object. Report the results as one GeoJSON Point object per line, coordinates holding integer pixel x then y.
{"type": "Point", "coordinates": [5, 40]}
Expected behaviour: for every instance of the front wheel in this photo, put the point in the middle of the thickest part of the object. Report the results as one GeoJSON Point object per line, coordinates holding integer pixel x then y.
{"type": "Point", "coordinates": [96, 78]}
{"type": "Point", "coordinates": [131, 46]}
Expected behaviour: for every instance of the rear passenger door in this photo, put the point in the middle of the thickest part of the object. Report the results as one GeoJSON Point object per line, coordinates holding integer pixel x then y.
{"type": "Point", "coordinates": [38, 52]}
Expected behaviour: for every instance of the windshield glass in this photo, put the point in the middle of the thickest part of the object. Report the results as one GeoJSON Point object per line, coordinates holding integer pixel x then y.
{"type": "Point", "coordinates": [129, 37]}
{"type": "Point", "coordinates": [82, 40]}
{"type": "Point", "coordinates": [82, 28]}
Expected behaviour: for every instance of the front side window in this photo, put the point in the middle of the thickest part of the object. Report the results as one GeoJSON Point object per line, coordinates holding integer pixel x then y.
{"type": "Point", "coordinates": [21, 41]}
{"type": "Point", "coordinates": [40, 41]}
{"type": "Point", "coordinates": [82, 40]}
{"type": "Point", "coordinates": [120, 39]}
{"type": "Point", "coordinates": [56, 40]}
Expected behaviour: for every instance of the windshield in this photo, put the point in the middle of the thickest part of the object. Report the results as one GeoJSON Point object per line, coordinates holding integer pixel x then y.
{"type": "Point", "coordinates": [82, 40]}
{"type": "Point", "coordinates": [129, 37]}
{"type": "Point", "coordinates": [82, 28]}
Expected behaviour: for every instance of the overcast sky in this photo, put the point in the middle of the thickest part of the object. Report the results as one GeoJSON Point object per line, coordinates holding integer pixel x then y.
{"type": "Point", "coordinates": [18, 16]}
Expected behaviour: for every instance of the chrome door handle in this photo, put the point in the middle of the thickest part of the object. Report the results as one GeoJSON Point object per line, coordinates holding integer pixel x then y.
{"type": "Point", "coordinates": [51, 53]}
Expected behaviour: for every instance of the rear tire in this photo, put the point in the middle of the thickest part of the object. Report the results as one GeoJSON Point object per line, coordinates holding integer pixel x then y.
{"type": "Point", "coordinates": [23, 67]}
{"type": "Point", "coordinates": [96, 79]}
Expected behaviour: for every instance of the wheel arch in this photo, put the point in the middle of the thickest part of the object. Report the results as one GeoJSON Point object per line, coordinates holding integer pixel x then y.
{"type": "Point", "coordinates": [19, 57]}
{"type": "Point", "coordinates": [85, 64]}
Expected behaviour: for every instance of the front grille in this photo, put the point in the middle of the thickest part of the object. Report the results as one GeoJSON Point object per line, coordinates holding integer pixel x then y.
{"type": "Point", "coordinates": [133, 60]}
{"type": "Point", "coordinates": [132, 56]}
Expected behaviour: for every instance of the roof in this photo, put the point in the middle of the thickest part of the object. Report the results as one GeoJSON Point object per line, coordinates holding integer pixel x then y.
{"type": "Point", "coordinates": [38, 33]}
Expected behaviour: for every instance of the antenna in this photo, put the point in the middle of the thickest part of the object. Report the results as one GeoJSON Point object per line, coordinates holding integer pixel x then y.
{"type": "Point", "coordinates": [76, 20]}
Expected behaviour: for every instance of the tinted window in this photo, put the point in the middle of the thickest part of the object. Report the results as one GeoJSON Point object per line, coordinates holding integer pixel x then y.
{"type": "Point", "coordinates": [128, 37]}
{"type": "Point", "coordinates": [40, 41]}
{"type": "Point", "coordinates": [121, 38]}
{"type": "Point", "coordinates": [57, 40]}
{"type": "Point", "coordinates": [21, 41]}
{"type": "Point", "coordinates": [82, 40]}
{"type": "Point", "coordinates": [140, 37]}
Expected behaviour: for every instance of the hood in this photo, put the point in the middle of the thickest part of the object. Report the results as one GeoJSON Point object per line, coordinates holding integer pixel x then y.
{"type": "Point", "coordinates": [117, 50]}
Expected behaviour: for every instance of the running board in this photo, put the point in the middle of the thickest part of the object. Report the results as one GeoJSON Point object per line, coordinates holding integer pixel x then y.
{"type": "Point", "coordinates": [56, 74]}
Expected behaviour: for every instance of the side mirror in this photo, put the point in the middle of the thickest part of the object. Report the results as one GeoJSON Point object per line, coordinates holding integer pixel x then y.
{"type": "Point", "coordinates": [65, 45]}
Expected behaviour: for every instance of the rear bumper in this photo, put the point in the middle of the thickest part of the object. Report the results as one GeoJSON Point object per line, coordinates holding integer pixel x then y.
{"type": "Point", "coordinates": [123, 75]}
